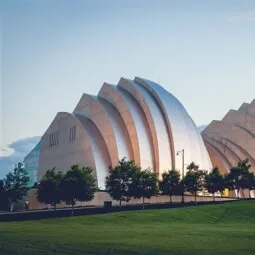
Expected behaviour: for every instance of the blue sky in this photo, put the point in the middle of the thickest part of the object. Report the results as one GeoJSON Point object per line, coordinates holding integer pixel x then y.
{"type": "Point", "coordinates": [52, 51]}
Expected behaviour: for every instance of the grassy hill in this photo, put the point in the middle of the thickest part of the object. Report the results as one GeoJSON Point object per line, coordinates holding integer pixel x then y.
{"type": "Point", "coordinates": [211, 229]}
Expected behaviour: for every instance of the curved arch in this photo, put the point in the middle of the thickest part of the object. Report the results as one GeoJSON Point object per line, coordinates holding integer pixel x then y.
{"type": "Point", "coordinates": [88, 147]}
{"type": "Point", "coordinates": [143, 134]}
{"type": "Point", "coordinates": [244, 153]}
{"type": "Point", "coordinates": [90, 107]}
{"type": "Point", "coordinates": [219, 159]}
{"type": "Point", "coordinates": [182, 130]}
{"type": "Point", "coordinates": [112, 95]}
{"type": "Point", "coordinates": [120, 131]}
{"type": "Point", "coordinates": [233, 133]}
{"type": "Point", "coordinates": [156, 122]}
{"type": "Point", "coordinates": [99, 150]}
{"type": "Point", "coordinates": [131, 89]}
{"type": "Point", "coordinates": [219, 155]}
{"type": "Point", "coordinates": [239, 151]}
{"type": "Point", "coordinates": [233, 158]}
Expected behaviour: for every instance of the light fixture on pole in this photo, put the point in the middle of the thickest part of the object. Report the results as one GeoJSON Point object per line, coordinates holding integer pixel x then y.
{"type": "Point", "coordinates": [181, 152]}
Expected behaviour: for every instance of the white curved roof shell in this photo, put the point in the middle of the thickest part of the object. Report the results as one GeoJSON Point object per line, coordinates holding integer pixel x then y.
{"type": "Point", "coordinates": [137, 119]}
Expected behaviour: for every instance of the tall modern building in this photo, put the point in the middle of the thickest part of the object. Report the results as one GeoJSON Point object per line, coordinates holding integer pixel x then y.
{"type": "Point", "coordinates": [232, 139]}
{"type": "Point", "coordinates": [137, 119]}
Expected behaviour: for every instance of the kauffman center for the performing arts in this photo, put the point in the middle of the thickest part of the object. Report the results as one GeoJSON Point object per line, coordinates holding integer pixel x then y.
{"type": "Point", "coordinates": [140, 120]}
{"type": "Point", "coordinates": [137, 119]}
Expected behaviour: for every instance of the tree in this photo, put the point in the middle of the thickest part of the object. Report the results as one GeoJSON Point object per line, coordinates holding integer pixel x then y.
{"type": "Point", "coordinates": [15, 185]}
{"type": "Point", "coordinates": [3, 198]}
{"type": "Point", "coordinates": [194, 180]}
{"type": "Point", "coordinates": [248, 181]}
{"type": "Point", "coordinates": [120, 178]}
{"type": "Point", "coordinates": [233, 179]}
{"type": "Point", "coordinates": [214, 182]}
{"type": "Point", "coordinates": [244, 164]}
{"type": "Point", "coordinates": [170, 183]}
{"type": "Point", "coordinates": [87, 185]}
{"type": "Point", "coordinates": [144, 184]}
{"type": "Point", "coordinates": [193, 166]}
{"type": "Point", "coordinates": [239, 177]}
{"type": "Point", "coordinates": [48, 191]}
{"type": "Point", "coordinates": [78, 185]}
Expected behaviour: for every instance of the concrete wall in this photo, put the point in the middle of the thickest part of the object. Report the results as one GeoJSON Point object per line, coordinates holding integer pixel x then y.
{"type": "Point", "coordinates": [100, 197]}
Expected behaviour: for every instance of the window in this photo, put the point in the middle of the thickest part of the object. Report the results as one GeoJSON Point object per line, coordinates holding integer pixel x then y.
{"type": "Point", "coordinates": [72, 133]}
{"type": "Point", "coordinates": [54, 139]}
{"type": "Point", "coordinates": [50, 140]}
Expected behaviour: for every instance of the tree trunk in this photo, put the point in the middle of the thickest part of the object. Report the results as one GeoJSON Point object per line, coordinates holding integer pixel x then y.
{"type": "Point", "coordinates": [120, 203]}
{"type": "Point", "coordinates": [213, 197]}
{"type": "Point", "coordinates": [195, 197]}
{"type": "Point", "coordinates": [143, 203]}
{"type": "Point", "coordinates": [55, 207]}
{"type": "Point", "coordinates": [171, 199]}
{"type": "Point", "coordinates": [249, 194]}
{"type": "Point", "coordinates": [11, 207]}
{"type": "Point", "coordinates": [238, 194]}
{"type": "Point", "coordinates": [72, 208]}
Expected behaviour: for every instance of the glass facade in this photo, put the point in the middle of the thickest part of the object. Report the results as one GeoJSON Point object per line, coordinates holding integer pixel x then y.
{"type": "Point", "coordinates": [31, 164]}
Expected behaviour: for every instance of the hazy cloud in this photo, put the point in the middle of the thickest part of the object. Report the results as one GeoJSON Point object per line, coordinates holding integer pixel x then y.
{"type": "Point", "coordinates": [15, 152]}
{"type": "Point", "coordinates": [243, 16]}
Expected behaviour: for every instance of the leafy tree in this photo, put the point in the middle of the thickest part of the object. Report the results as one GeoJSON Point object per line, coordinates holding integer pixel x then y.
{"type": "Point", "coordinates": [78, 185]}
{"type": "Point", "coordinates": [3, 198]}
{"type": "Point", "coordinates": [239, 177]}
{"type": "Point", "coordinates": [15, 185]}
{"type": "Point", "coordinates": [170, 183]}
{"type": "Point", "coordinates": [120, 179]}
{"type": "Point", "coordinates": [244, 165]}
{"type": "Point", "coordinates": [48, 190]}
{"type": "Point", "coordinates": [87, 185]}
{"type": "Point", "coordinates": [194, 180]}
{"type": "Point", "coordinates": [144, 184]}
{"type": "Point", "coordinates": [248, 181]}
{"type": "Point", "coordinates": [1, 188]}
{"type": "Point", "coordinates": [214, 182]}
{"type": "Point", "coordinates": [234, 179]}
{"type": "Point", "coordinates": [193, 166]}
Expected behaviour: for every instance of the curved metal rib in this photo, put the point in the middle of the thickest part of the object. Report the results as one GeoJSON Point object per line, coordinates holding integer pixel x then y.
{"type": "Point", "coordinates": [156, 123]}
{"type": "Point", "coordinates": [181, 129]}
{"type": "Point", "coordinates": [90, 107]}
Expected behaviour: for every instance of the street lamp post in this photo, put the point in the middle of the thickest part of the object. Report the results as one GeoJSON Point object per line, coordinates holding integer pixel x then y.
{"type": "Point", "coordinates": [181, 152]}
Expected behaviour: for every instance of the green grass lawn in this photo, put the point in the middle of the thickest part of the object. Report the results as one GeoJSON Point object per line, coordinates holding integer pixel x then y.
{"type": "Point", "coordinates": [211, 229]}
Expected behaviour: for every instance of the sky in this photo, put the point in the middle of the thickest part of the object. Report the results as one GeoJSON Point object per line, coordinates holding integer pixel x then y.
{"type": "Point", "coordinates": [52, 51]}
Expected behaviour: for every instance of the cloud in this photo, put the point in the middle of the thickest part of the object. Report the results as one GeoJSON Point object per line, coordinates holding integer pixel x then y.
{"type": "Point", "coordinates": [244, 16]}
{"type": "Point", "coordinates": [15, 152]}
{"type": "Point", "coordinates": [5, 152]}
